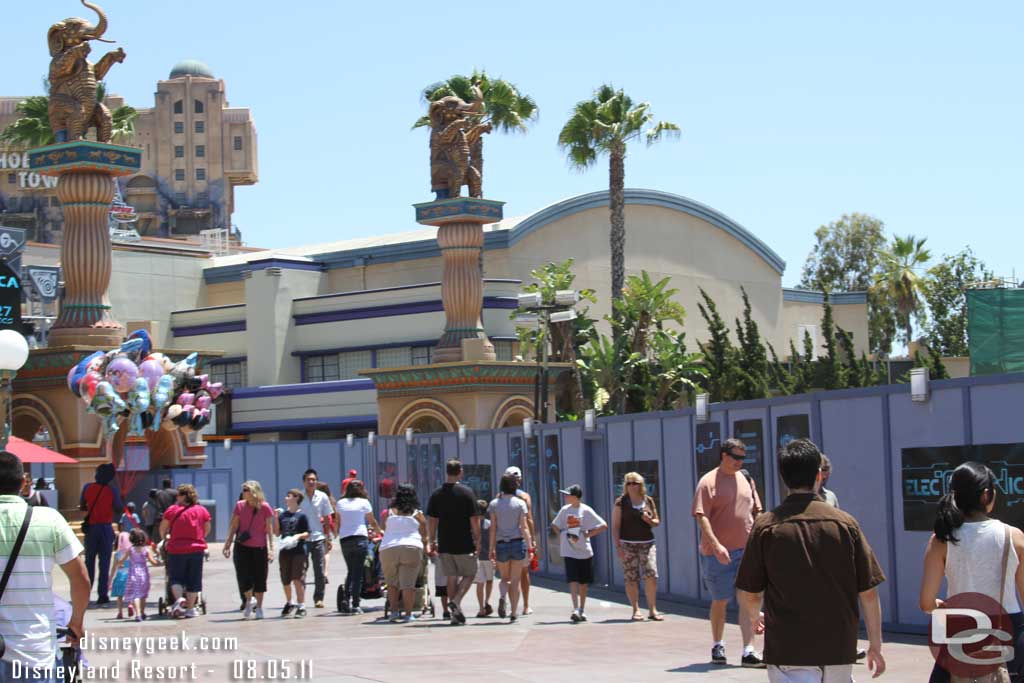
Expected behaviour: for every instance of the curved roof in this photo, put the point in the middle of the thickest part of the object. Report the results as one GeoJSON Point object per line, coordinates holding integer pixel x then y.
{"type": "Point", "coordinates": [191, 67]}
{"type": "Point", "coordinates": [595, 200]}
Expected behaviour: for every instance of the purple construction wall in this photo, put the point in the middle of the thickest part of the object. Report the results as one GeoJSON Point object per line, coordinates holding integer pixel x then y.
{"type": "Point", "coordinates": [862, 430]}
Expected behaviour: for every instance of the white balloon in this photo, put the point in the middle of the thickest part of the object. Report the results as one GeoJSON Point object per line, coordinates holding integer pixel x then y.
{"type": "Point", "coordinates": [13, 350]}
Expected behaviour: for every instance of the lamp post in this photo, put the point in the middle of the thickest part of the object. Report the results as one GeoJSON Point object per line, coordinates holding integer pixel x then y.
{"type": "Point", "coordinates": [13, 354]}
{"type": "Point", "coordinates": [533, 311]}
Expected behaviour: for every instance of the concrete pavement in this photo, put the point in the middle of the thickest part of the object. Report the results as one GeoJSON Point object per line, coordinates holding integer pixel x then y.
{"type": "Point", "coordinates": [541, 647]}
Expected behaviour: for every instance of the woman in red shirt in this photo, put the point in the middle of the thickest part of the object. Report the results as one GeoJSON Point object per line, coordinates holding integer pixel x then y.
{"type": "Point", "coordinates": [184, 529]}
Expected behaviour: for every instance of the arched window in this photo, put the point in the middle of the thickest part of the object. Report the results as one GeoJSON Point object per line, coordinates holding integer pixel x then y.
{"type": "Point", "coordinates": [199, 106]}
{"type": "Point", "coordinates": [179, 107]}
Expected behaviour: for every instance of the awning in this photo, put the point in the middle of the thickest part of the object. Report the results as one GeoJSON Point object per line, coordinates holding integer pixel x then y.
{"type": "Point", "coordinates": [30, 452]}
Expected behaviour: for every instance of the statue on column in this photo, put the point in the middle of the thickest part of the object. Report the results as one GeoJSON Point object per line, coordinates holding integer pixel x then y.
{"type": "Point", "coordinates": [74, 107]}
{"type": "Point", "coordinates": [455, 128]}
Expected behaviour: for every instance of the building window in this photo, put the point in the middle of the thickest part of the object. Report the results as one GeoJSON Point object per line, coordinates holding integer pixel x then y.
{"type": "Point", "coordinates": [351, 362]}
{"type": "Point", "coordinates": [200, 150]}
{"type": "Point", "coordinates": [238, 143]}
{"type": "Point", "coordinates": [179, 107]}
{"type": "Point", "coordinates": [200, 127]}
{"type": "Point", "coordinates": [179, 151]}
{"type": "Point", "coordinates": [421, 355]}
{"type": "Point", "coordinates": [200, 174]}
{"type": "Point", "coordinates": [180, 198]}
{"type": "Point", "coordinates": [179, 174]}
{"type": "Point", "coordinates": [230, 374]}
{"type": "Point", "coordinates": [503, 350]}
{"type": "Point", "coordinates": [179, 127]}
{"type": "Point", "coordinates": [199, 106]}
{"type": "Point", "coordinates": [394, 357]}
{"type": "Point", "coordinates": [321, 368]}
{"type": "Point", "coordinates": [202, 199]}
{"type": "Point", "coordinates": [12, 178]}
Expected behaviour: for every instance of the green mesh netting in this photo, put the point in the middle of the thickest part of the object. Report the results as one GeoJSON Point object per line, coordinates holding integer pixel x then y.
{"type": "Point", "coordinates": [995, 330]}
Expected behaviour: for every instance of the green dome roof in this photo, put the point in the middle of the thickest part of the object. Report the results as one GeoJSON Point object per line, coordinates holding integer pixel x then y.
{"type": "Point", "coordinates": [191, 67]}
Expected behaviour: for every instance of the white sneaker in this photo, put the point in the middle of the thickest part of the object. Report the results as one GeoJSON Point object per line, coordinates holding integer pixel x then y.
{"type": "Point", "coordinates": [191, 613]}
{"type": "Point", "coordinates": [249, 608]}
{"type": "Point", "coordinates": [259, 612]}
{"type": "Point", "coordinates": [178, 608]}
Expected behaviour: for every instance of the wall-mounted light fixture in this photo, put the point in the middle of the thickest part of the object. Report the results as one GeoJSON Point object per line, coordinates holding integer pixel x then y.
{"type": "Point", "coordinates": [227, 444]}
{"type": "Point", "coordinates": [919, 389]}
{"type": "Point", "coordinates": [462, 433]}
{"type": "Point", "coordinates": [589, 419]}
{"type": "Point", "coordinates": [701, 406]}
{"type": "Point", "coordinates": [408, 435]}
{"type": "Point", "coordinates": [528, 427]}
{"type": "Point", "coordinates": [350, 440]}
{"type": "Point", "coordinates": [371, 439]}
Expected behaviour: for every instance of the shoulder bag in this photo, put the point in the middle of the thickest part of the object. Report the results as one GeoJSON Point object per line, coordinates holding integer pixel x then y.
{"type": "Point", "coordinates": [10, 563]}
{"type": "Point", "coordinates": [244, 536]}
{"type": "Point", "coordinates": [85, 520]}
{"type": "Point", "coordinates": [1002, 674]}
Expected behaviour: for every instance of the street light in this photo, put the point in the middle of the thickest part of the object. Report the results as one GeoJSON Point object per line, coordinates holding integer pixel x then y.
{"type": "Point", "coordinates": [533, 312]}
{"type": "Point", "coordinates": [13, 354]}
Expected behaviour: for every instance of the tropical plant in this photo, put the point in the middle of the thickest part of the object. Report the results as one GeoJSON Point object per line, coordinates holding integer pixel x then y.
{"type": "Point", "coordinates": [669, 376]}
{"type": "Point", "coordinates": [945, 293]}
{"type": "Point", "coordinates": [32, 127]}
{"type": "Point", "coordinates": [505, 107]}
{"type": "Point", "coordinates": [606, 124]}
{"type": "Point", "coordinates": [899, 277]}
{"type": "Point", "coordinates": [846, 257]}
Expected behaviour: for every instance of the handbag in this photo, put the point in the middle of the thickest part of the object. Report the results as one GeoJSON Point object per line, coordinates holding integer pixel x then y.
{"type": "Point", "coordinates": [1002, 674]}
{"type": "Point", "coordinates": [10, 564]}
{"type": "Point", "coordinates": [85, 520]}
{"type": "Point", "coordinates": [244, 536]}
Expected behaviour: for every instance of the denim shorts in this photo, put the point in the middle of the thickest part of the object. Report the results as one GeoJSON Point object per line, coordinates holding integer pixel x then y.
{"type": "Point", "coordinates": [508, 551]}
{"type": "Point", "coordinates": [720, 579]}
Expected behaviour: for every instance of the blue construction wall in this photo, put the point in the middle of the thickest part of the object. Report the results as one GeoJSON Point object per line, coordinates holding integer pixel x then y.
{"type": "Point", "coordinates": [862, 430]}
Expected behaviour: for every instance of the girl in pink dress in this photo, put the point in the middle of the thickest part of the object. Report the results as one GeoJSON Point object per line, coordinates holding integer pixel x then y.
{"type": "Point", "coordinates": [138, 559]}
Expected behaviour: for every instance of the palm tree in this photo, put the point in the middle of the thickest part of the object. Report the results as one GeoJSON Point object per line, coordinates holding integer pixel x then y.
{"type": "Point", "coordinates": [900, 280]}
{"type": "Point", "coordinates": [505, 107]}
{"type": "Point", "coordinates": [605, 124]}
{"type": "Point", "coordinates": [32, 128]}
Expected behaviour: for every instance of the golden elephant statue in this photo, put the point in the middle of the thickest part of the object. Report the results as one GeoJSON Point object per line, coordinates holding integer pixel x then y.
{"type": "Point", "coordinates": [74, 107]}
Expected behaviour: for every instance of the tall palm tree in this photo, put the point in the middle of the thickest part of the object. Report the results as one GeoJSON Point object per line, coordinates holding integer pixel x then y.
{"type": "Point", "coordinates": [899, 277]}
{"type": "Point", "coordinates": [32, 127]}
{"type": "Point", "coordinates": [505, 107]}
{"type": "Point", "coordinates": [605, 124]}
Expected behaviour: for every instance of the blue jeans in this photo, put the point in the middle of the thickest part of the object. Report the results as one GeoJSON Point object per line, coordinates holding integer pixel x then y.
{"type": "Point", "coordinates": [99, 544]}
{"type": "Point", "coordinates": [354, 549]}
{"type": "Point", "coordinates": [315, 556]}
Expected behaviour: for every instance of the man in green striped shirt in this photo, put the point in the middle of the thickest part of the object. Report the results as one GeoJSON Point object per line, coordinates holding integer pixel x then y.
{"type": "Point", "coordinates": [26, 607]}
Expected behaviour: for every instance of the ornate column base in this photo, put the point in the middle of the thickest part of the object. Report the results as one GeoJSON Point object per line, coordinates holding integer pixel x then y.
{"type": "Point", "coordinates": [460, 235]}
{"type": "Point", "coordinates": [86, 188]}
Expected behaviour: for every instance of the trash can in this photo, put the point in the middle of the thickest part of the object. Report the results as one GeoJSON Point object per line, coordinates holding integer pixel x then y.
{"type": "Point", "coordinates": [211, 506]}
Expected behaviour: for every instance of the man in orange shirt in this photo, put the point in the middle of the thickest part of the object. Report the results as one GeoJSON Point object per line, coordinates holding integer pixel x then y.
{"type": "Point", "coordinates": [725, 506]}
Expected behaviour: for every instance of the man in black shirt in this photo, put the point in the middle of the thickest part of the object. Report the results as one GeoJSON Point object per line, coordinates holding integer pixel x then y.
{"type": "Point", "coordinates": [455, 535]}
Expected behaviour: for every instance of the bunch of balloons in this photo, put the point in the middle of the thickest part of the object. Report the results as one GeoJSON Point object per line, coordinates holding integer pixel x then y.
{"type": "Point", "coordinates": [149, 390]}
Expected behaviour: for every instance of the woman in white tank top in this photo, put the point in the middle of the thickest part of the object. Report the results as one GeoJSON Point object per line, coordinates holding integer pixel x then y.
{"type": "Point", "coordinates": [967, 549]}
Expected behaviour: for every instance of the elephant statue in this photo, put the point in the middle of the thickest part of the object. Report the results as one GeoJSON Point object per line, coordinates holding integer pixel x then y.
{"type": "Point", "coordinates": [454, 131]}
{"type": "Point", "coordinates": [73, 105]}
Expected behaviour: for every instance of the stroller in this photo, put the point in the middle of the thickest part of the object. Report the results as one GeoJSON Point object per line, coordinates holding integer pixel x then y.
{"type": "Point", "coordinates": [373, 578]}
{"type": "Point", "coordinates": [422, 602]}
{"type": "Point", "coordinates": [164, 603]}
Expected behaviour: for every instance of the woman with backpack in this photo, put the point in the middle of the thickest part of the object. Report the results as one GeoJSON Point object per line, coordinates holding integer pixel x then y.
{"type": "Point", "coordinates": [975, 554]}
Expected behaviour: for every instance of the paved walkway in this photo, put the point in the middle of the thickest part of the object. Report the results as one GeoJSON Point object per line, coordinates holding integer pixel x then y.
{"type": "Point", "coordinates": [541, 647]}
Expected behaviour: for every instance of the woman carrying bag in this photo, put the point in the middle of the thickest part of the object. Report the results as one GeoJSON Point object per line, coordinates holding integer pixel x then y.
{"type": "Point", "coordinates": [251, 530]}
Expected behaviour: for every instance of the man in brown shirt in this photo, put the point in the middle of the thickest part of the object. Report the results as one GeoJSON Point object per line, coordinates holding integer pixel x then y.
{"type": "Point", "coordinates": [812, 564]}
{"type": "Point", "coordinates": [725, 505]}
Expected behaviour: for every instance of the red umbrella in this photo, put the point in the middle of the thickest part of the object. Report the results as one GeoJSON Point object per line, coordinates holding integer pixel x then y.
{"type": "Point", "coordinates": [30, 452]}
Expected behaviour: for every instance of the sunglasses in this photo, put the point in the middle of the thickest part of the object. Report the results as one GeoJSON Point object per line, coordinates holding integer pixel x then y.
{"type": "Point", "coordinates": [246, 490]}
{"type": "Point", "coordinates": [633, 483]}
{"type": "Point", "coordinates": [737, 456]}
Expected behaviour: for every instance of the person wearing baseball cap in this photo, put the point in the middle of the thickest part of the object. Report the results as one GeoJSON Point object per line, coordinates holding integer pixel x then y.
{"type": "Point", "coordinates": [352, 476]}
{"type": "Point", "coordinates": [576, 524]}
{"type": "Point", "coordinates": [525, 579]}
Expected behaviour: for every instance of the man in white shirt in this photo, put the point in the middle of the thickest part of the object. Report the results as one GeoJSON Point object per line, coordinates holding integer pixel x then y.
{"type": "Point", "coordinates": [317, 507]}
{"type": "Point", "coordinates": [26, 606]}
{"type": "Point", "coordinates": [577, 523]}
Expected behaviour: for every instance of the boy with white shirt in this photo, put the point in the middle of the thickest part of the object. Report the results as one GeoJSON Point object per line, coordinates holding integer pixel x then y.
{"type": "Point", "coordinates": [577, 523]}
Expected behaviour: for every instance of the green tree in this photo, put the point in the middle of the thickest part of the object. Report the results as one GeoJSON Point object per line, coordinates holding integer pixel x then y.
{"type": "Point", "coordinates": [505, 106]}
{"type": "Point", "coordinates": [831, 371]}
{"type": "Point", "coordinates": [719, 353]}
{"type": "Point", "coordinates": [846, 258]}
{"type": "Point", "coordinates": [605, 124]}
{"type": "Point", "coordinates": [900, 279]}
{"type": "Point", "coordinates": [945, 294]}
{"type": "Point", "coordinates": [782, 378]}
{"type": "Point", "coordinates": [32, 127]}
{"type": "Point", "coordinates": [752, 367]}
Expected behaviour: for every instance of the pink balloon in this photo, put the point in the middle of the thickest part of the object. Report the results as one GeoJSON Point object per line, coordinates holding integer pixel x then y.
{"type": "Point", "coordinates": [122, 373]}
{"type": "Point", "coordinates": [152, 370]}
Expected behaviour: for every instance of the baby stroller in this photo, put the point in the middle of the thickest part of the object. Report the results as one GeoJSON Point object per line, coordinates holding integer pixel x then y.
{"type": "Point", "coordinates": [373, 578]}
{"type": "Point", "coordinates": [422, 602]}
{"type": "Point", "coordinates": [164, 602]}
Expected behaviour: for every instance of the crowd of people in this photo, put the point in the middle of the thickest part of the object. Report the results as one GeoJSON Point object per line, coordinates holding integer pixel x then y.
{"type": "Point", "coordinates": [803, 575]}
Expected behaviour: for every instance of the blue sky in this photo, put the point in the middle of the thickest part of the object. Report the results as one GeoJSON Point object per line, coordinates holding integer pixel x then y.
{"type": "Point", "coordinates": [791, 115]}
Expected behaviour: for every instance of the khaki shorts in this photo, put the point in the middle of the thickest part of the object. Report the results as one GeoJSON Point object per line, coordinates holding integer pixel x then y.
{"type": "Point", "coordinates": [401, 566]}
{"type": "Point", "coordinates": [458, 566]}
{"type": "Point", "coordinates": [484, 571]}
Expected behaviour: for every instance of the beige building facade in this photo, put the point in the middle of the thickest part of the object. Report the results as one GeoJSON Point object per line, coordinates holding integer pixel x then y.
{"type": "Point", "coordinates": [196, 149]}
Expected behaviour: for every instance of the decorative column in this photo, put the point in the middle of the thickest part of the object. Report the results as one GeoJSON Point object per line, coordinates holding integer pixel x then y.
{"type": "Point", "coordinates": [86, 188]}
{"type": "Point", "coordinates": [460, 236]}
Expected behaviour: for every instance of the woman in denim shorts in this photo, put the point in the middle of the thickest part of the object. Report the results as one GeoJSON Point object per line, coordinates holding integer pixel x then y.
{"type": "Point", "coordinates": [510, 537]}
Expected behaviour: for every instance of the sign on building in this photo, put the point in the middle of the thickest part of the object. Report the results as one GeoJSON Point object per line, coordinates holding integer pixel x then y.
{"type": "Point", "coordinates": [45, 281]}
{"type": "Point", "coordinates": [10, 298]}
{"type": "Point", "coordinates": [12, 242]}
